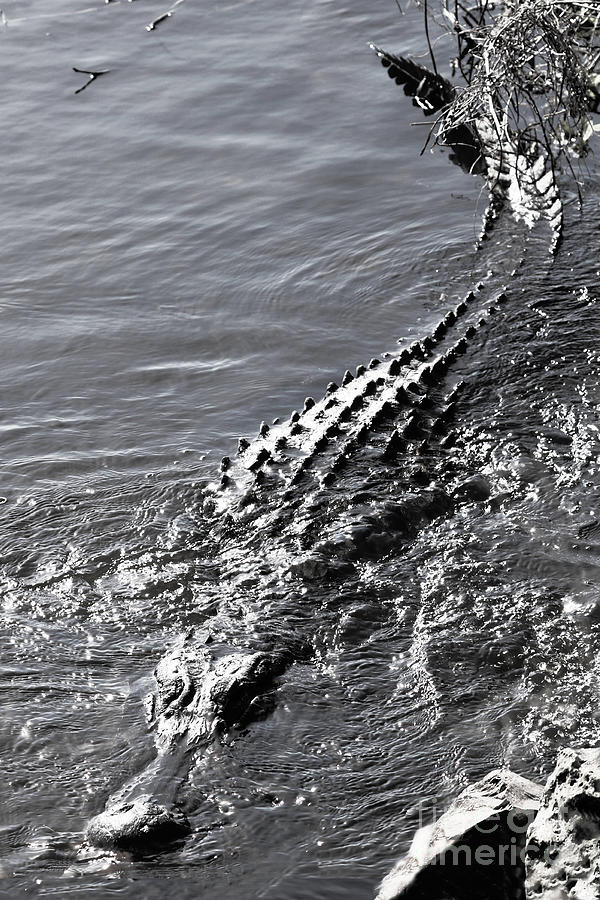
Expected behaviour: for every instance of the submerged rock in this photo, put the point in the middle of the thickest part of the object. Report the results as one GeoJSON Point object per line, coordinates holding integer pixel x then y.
{"type": "Point", "coordinates": [474, 851]}
{"type": "Point", "coordinates": [563, 843]}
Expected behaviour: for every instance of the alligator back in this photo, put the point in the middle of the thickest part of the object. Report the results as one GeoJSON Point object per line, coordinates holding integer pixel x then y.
{"type": "Point", "coordinates": [395, 408]}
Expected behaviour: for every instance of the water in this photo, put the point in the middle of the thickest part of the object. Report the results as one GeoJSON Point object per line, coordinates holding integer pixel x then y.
{"type": "Point", "coordinates": [205, 235]}
{"type": "Point", "coordinates": [241, 184]}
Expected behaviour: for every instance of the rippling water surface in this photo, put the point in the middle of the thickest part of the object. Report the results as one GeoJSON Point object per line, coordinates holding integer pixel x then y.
{"type": "Point", "coordinates": [211, 231]}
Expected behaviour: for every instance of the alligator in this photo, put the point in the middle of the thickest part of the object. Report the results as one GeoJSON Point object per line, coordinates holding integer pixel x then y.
{"type": "Point", "coordinates": [305, 506]}
{"type": "Point", "coordinates": [378, 439]}
{"type": "Point", "coordinates": [386, 464]}
{"type": "Point", "coordinates": [300, 518]}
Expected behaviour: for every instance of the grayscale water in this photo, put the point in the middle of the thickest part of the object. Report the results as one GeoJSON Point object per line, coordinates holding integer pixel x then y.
{"type": "Point", "coordinates": [213, 230]}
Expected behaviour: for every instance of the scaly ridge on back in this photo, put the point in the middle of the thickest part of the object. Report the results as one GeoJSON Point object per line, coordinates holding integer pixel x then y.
{"type": "Point", "coordinates": [384, 397]}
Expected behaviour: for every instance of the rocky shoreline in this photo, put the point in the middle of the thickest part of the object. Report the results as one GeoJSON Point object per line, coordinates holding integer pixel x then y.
{"type": "Point", "coordinates": [506, 837]}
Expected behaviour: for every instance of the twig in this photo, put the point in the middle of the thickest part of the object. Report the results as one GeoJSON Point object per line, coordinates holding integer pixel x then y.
{"type": "Point", "coordinates": [426, 19]}
{"type": "Point", "coordinates": [91, 76]}
{"type": "Point", "coordinates": [167, 15]}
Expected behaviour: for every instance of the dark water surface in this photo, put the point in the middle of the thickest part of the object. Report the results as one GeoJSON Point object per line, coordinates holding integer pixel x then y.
{"type": "Point", "coordinates": [210, 232]}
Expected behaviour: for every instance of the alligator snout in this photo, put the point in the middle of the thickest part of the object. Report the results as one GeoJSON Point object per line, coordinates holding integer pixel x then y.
{"type": "Point", "coordinates": [138, 824]}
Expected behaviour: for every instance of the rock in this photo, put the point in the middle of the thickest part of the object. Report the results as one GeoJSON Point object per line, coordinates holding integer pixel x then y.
{"type": "Point", "coordinates": [474, 851]}
{"type": "Point", "coordinates": [562, 856]}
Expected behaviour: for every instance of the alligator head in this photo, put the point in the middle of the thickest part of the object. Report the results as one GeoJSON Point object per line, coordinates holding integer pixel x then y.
{"type": "Point", "coordinates": [201, 694]}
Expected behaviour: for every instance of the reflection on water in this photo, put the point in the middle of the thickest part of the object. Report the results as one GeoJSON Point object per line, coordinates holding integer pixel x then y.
{"type": "Point", "coordinates": [226, 221]}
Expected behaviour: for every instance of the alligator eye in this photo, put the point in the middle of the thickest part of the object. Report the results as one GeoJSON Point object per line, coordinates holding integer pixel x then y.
{"type": "Point", "coordinates": [175, 692]}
